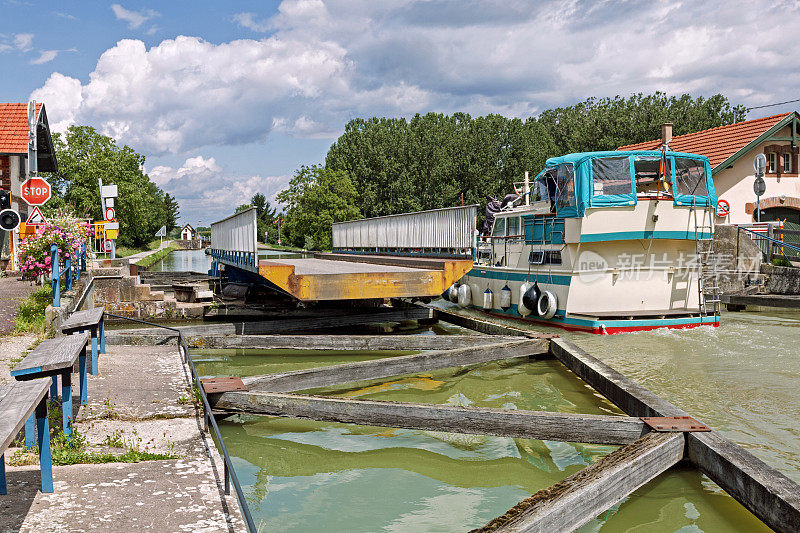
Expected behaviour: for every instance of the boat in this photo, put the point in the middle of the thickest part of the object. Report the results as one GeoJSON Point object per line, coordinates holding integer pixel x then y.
{"type": "Point", "coordinates": [603, 242]}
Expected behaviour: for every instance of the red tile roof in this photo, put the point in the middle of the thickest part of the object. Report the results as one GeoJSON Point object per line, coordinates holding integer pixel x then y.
{"type": "Point", "coordinates": [718, 144]}
{"type": "Point", "coordinates": [14, 128]}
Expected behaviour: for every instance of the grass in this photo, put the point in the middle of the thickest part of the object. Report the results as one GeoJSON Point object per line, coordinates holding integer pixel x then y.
{"type": "Point", "coordinates": [781, 262]}
{"type": "Point", "coordinates": [30, 315]}
{"type": "Point", "coordinates": [156, 257]}
{"type": "Point", "coordinates": [72, 450]}
{"type": "Point", "coordinates": [124, 251]}
{"type": "Point", "coordinates": [281, 248]}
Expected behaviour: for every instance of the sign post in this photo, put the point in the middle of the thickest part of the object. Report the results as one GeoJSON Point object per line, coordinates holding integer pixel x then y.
{"type": "Point", "coordinates": [161, 233]}
{"type": "Point", "coordinates": [759, 186]}
{"type": "Point", "coordinates": [111, 227]}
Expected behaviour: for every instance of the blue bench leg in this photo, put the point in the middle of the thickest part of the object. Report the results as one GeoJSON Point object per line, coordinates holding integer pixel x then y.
{"type": "Point", "coordinates": [95, 371]}
{"type": "Point", "coordinates": [66, 401]}
{"type": "Point", "coordinates": [54, 388]}
{"type": "Point", "coordinates": [82, 368]}
{"type": "Point", "coordinates": [3, 474]}
{"type": "Point", "coordinates": [45, 462]}
{"type": "Point", "coordinates": [103, 336]}
{"type": "Point", "coordinates": [30, 431]}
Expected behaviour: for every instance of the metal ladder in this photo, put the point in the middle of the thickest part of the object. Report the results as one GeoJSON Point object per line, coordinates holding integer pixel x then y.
{"type": "Point", "coordinates": [707, 278]}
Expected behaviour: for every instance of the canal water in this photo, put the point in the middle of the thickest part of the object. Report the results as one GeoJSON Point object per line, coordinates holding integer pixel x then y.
{"type": "Point", "coordinates": [740, 378]}
{"type": "Point", "coordinates": [198, 261]}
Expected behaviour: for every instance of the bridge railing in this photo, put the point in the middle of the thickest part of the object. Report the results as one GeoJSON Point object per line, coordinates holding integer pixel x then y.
{"type": "Point", "coordinates": [449, 231]}
{"type": "Point", "coordinates": [234, 241]}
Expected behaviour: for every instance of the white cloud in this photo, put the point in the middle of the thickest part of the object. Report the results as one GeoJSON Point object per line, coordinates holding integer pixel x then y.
{"type": "Point", "coordinates": [321, 63]}
{"type": "Point", "coordinates": [205, 191]}
{"type": "Point", "coordinates": [133, 18]}
{"type": "Point", "coordinates": [45, 57]}
{"type": "Point", "coordinates": [23, 41]}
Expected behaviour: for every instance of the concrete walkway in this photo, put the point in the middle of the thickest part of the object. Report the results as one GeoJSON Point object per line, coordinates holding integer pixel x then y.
{"type": "Point", "coordinates": [141, 255]}
{"type": "Point", "coordinates": [140, 398]}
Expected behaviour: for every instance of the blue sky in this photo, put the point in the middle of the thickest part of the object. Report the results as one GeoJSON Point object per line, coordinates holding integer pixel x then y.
{"type": "Point", "coordinates": [228, 98]}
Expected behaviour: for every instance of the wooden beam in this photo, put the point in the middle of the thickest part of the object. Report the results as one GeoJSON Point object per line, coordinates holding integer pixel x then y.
{"type": "Point", "coordinates": [303, 324]}
{"type": "Point", "coordinates": [470, 322]}
{"type": "Point", "coordinates": [596, 429]}
{"type": "Point", "coordinates": [352, 342]}
{"type": "Point", "coordinates": [393, 366]}
{"type": "Point", "coordinates": [768, 494]}
{"type": "Point", "coordinates": [582, 496]}
{"type": "Point", "coordinates": [765, 492]}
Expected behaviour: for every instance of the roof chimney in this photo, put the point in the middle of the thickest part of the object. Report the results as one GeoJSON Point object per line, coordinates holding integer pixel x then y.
{"type": "Point", "coordinates": [666, 133]}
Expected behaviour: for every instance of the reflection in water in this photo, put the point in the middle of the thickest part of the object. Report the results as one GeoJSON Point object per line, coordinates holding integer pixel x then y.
{"type": "Point", "coordinates": [305, 476]}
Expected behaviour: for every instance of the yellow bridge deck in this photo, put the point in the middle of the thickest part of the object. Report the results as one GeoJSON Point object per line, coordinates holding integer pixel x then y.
{"type": "Point", "coordinates": [351, 277]}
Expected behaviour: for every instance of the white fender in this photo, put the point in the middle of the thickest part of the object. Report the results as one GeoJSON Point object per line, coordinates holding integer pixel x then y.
{"type": "Point", "coordinates": [505, 298]}
{"type": "Point", "coordinates": [521, 307]}
{"type": "Point", "coordinates": [452, 293]}
{"type": "Point", "coordinates": [464, 296]}
{"type": "Point", "coordinates": [547, 306]}
{"type": "Point", "coordinates": [487, 299]}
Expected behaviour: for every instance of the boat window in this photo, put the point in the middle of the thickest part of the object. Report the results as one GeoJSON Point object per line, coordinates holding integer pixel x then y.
{"type": "Point", "coordinates": [611, 175]}
{"type": "Point", "coordinates": [513, 226]}
{"type": "Point", "coordinates": [566, 186]}
{"type": "Point", "coordinates": [544, 257]}
{"type": "Point", "coordinates": [691, 176]}
{"type": "Point", "coordinates": [499, 229]}
{"type": "Point", "coordinates": [646, 175]}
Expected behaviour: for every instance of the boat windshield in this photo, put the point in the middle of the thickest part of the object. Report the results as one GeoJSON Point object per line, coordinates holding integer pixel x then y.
{"type": "Point", "coordinates": [648, 176]}
{"type": "Point", "coordinates": [611, 175]}
{"type": "Point", "coordinates": [690, 176]}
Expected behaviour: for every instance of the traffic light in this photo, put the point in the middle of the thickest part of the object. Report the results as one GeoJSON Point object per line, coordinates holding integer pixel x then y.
{"type": "Point", "coordinates": [9, 219]}
{"type": "Point", "coordinates": [5, 200]}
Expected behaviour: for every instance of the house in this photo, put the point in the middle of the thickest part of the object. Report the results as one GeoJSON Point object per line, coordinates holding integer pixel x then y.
{"type": "Point", "coordinates": [14, 146]}
{"type": "Point", "coordinates": [187, 233]}
{"type": "Point", "coordinates": [732, 149]}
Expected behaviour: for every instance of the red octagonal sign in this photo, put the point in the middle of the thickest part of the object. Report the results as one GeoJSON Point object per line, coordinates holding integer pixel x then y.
{"type": "Point", "coordinates": [35, 191]}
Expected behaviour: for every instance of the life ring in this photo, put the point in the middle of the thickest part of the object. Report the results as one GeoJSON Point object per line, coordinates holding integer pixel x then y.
{"type": "Point", "coordinates": [547, 305]}
{"type": "Point", "coordinates": [723, 208]}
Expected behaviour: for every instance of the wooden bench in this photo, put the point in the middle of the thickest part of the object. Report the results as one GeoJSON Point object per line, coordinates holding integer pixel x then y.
{"type": "Point", "coordinates": [19, 402]}
{"type": "Point", "coordinates": [94, 321]}
{"type": "Point", "coordinates": [51, 358]}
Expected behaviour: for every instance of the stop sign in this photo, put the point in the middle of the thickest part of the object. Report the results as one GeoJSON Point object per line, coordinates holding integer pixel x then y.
{"type": "Point", "coordinates": [35, 191]}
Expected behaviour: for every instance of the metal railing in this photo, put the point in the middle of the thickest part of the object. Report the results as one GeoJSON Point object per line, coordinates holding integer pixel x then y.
{"type": "Point", "coordinates": [71, 272]}
{"type": "Point", "coordinates": [769, 244]}
{"type": "Point", "coordinates": [208, 417]}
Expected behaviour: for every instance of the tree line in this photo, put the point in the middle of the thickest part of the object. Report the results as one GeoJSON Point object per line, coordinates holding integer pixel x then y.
{"type": "Point", "coordinates": [384, 166]}
{"type": "Point", "coordinates": [84, 155]}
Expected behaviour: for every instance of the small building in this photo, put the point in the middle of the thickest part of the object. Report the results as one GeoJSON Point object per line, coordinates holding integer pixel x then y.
{"type": "Point", "coordinates": [732, 149]}
{"type": "Point", "coordinates": [187, 233]}
{"type": "Point", "coordinates": [14, 148]}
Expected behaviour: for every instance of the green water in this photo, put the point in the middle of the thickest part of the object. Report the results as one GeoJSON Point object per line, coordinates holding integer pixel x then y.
{"type": "Point", "coordinates": [308, 476]}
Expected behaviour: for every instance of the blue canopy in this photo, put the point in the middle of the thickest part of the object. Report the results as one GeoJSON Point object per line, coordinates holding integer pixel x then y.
{"type": "Point", "coordinates": [612, 178]}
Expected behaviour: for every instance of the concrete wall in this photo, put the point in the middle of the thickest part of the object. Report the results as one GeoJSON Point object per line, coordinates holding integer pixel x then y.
{"type": "Point", "coordinates": [737, 259]}
{"type": "Point", "coordinates": [781, 280]}
{"type": "Point", "coordinates": [189, 244]}
{"type": "Point", "coordinates": [736, 184]}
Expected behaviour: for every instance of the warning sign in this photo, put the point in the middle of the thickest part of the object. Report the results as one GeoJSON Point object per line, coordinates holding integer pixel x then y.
{"type": "Point", "coordinates": [36, 217]}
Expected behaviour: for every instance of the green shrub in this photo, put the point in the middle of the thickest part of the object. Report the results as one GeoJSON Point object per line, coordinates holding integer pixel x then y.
{"type": "Point", "coordinates": [30, 315]}
{"type": "Point", "coordinates": [781, 262]}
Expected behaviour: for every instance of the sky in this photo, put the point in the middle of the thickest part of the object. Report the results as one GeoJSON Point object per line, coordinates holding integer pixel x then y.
{"type": "Point", "coordinates": [226, 99]}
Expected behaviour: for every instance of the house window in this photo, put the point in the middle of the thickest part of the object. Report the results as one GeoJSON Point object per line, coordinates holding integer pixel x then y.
{"type": "Point", "coordinates": [787, 163]}
{"type": "Point", "coordinates": [771, 162]}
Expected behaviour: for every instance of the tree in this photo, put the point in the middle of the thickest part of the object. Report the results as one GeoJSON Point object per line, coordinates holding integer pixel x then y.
{"type": "Point", "coordinates": [315, 199]}
{"type": "Point", "coordinates": [172, 210]}
{"type": "Point", "coordinates": [84, 156]}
